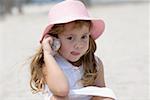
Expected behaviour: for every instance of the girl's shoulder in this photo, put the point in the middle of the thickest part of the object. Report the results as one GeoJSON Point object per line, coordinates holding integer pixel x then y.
{"type": "Point", "coordinates": [98, 60]}
{"type": "Point", "coordinates": [99, 63]}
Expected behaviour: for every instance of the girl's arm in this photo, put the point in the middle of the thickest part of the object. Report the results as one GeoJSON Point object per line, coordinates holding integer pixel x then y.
{"type": "Point", "coordinates": [53, 97]}
{"type": "Point", "coordinates": [101, 98]}
{"type": "Point", "coordinates": [54, 76]}
{"type": "Point", "coordinates": [100, 82]}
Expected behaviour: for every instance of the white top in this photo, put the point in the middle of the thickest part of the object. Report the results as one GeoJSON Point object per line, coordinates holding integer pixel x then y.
{"type": "Point", "coordinates": [73, 74]}
{"type": "Point", "coordinates": [77, 91]}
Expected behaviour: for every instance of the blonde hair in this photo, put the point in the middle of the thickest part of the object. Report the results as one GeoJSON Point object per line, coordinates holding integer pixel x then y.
{"type": "Point", "coordinates": [88, 60]}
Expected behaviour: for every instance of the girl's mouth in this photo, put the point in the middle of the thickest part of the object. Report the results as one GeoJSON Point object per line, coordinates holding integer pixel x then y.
{"type": "Point", "coordinates": [75, 53]}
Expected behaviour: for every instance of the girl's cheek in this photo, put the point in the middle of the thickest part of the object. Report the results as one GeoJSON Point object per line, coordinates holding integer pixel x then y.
{"type": "Point", "coordinates": [85, 42]}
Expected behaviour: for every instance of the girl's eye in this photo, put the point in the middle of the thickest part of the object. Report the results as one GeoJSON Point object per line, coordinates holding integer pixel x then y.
{"type": "Point", "coordinates": [69, 38]}
{"type": "Point", "coordinates": [84, 37]}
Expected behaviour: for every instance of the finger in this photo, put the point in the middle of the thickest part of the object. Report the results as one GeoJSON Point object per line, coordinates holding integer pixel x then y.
{"type": "Point", "coordinates": [46, 36]}
{"type": "Point", "coordinates": [48, 39]}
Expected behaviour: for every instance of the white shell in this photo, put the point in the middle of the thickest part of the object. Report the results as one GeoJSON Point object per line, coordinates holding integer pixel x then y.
{"type": "Point", "coordinates": [56, 44]}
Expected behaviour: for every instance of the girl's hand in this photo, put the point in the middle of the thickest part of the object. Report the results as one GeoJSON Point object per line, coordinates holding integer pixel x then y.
{"type": "Point", "coordinates": [46, 44]}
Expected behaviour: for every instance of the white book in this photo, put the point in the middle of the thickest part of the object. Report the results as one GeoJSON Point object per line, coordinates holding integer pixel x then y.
{"type": "Point", "coordinates": [94, 91]}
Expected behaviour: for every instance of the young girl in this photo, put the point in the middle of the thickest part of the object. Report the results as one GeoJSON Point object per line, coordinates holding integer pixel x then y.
{"type": "Point", "coordinates": [65, 61]}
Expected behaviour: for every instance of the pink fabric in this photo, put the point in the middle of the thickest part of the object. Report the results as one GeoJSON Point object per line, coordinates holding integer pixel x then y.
{"type": "Point", "coordinates": [71, 10]}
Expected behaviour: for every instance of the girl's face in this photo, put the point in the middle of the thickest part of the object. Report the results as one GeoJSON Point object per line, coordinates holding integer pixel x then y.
{"type": "Point", "coordinates": [74, 41]}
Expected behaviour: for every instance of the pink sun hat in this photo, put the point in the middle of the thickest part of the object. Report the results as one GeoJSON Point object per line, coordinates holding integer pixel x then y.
{"type": "Point", "coordinates": [71, 10]}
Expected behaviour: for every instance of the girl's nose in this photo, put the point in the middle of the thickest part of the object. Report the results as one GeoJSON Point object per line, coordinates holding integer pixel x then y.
{"type": "Point", "coordinates": [78, 45]}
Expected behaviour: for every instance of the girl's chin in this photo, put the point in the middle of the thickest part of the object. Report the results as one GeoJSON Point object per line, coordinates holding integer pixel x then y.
{"type": "Point", "coordinates": [74, 59]}
{"type": "Point", "coordinates": [70, 57]}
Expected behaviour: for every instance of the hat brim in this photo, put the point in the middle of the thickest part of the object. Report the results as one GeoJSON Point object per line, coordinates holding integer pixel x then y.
{"type": "Point", "coordinates": [97, 28]}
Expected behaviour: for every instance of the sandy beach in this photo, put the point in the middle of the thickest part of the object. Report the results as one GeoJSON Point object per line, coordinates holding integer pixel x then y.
{"type": "Point", "coordinates": [123, 48]}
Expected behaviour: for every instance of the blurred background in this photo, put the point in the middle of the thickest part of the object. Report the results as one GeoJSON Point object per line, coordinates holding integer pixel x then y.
{"type": "Point", "coordinates": [123, 47]}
